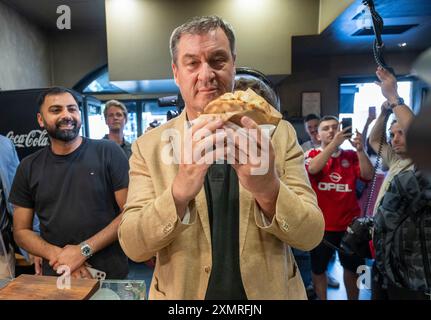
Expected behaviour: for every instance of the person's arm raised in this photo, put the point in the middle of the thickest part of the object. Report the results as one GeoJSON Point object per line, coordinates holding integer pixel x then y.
{"type": "Point", "coordinates": [319, 162]}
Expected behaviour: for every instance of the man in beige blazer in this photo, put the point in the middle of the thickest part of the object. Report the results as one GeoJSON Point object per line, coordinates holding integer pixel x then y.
{"type": "Point", "coordinates": [219, 231]}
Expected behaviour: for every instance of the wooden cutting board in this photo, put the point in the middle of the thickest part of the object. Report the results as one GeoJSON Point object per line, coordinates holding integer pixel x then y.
{"type": "Point", "coordinates": [32, 287]}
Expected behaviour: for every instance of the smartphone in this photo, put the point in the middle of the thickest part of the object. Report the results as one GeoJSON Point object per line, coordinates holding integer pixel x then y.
{"type": "Point", "coordinates": [97, 274]}
{"type": "Point", "coordinates": [347, 122]}
{"type": "Point", "coordinates": [372, 112]}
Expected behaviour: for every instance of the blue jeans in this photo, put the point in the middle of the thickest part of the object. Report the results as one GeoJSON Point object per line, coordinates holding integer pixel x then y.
{"type": "Point", "coordinates": [303, 261]}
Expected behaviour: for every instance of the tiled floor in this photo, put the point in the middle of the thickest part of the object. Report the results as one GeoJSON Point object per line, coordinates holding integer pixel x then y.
{"type": "Point", "coordinates": [336, 270]}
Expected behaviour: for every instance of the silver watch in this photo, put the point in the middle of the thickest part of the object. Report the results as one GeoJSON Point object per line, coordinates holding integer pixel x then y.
{"type": "Point", "coordinates": [86, 249]}
{"type": "Point", "coordinates": [399, 102]}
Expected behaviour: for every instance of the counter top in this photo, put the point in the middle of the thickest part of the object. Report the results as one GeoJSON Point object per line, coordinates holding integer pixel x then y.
{"type": "Point", "coordinates": [32, 287]}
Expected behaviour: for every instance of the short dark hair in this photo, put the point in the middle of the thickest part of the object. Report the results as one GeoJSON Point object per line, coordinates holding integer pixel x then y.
{"type": "Point", "coordinates": [55, 91]}
{"type": "Point", "coordinates": [390, 127]}
{"type": "Point", "coordinates": [327, 118]}
{"type": "Point", "coordinates": [260, 87]}
{"type": "Point", "coordinates": [392, 123]}
{"type": "Point", "coordinates": [310, 117]}
{"type": "Point", "coordinates": [201, 25]}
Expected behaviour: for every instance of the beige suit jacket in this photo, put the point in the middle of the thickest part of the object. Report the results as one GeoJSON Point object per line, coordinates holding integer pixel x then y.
{"type": "Point", "coordinates": [151, 226]}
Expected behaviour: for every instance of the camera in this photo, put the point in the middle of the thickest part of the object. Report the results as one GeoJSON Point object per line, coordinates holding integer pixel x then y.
{"type": "Point", "coordinates": [358, 236]}
{"type": "Point", "coordinates": [169, 101]}
{"type": "Point", "coordinates": [155, 124]}
{"type": "Point", "coordinates": [172, 114]}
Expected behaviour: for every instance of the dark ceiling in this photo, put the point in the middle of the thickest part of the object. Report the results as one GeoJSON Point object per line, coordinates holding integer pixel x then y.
{"type": "Point", "coordinates": [86, 15]}
{"type": "Point", "coordinates": [397, 14]}
{"type": "Point", "coordinates": [89, 15]}
{"type": "Point", "coordinates": [336, 39]}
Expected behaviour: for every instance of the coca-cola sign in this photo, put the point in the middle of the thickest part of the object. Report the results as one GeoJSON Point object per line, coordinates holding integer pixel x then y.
{"type": "Point", "coordinates": [34, 139]}
{"type": "Point", "coordinates": [18, 119]}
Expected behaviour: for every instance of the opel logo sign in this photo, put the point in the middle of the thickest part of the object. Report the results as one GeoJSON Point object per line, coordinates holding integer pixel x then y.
{"type": "Point", "coordinates": [335, 177]}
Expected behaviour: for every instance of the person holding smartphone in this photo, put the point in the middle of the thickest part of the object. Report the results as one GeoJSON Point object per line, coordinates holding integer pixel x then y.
{"type": "Point", "coordinates": [333, 173]}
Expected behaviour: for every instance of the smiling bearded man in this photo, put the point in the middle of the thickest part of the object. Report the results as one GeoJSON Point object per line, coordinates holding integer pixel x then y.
{"type": "Point", "coordinates": [77, 187]}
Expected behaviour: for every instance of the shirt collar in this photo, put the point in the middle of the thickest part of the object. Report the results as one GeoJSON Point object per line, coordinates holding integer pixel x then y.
{"type": "Point", "coordinates": [107, 138]}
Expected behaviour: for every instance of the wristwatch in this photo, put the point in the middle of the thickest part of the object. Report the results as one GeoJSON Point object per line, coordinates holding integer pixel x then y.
{"type": "Point", "coordinates": [86, 250]}
{"type": "Point", "coordinates": [399, 102]}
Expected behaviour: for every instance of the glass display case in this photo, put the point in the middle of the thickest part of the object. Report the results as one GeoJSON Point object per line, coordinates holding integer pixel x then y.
{"type": "Point", "coordinates": [121, 290]}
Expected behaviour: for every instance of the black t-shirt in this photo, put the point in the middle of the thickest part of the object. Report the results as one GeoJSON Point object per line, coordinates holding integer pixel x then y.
{"type": "Point", "coordinates": [74, 197]}
{"type": "Point", "coordinates": [125, 146]}
{"type": "Point", "coordinates": [222, 194]}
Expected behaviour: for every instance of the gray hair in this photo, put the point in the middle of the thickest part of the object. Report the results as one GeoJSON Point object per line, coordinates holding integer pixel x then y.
{"type": "Point", "coordinates": [115, 103]}
{"type": "Point", "coordinates": [201, 25]}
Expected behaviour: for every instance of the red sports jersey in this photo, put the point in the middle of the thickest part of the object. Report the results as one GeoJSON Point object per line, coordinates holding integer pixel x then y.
{"type": "Point", "coordinates": [335, 188]}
